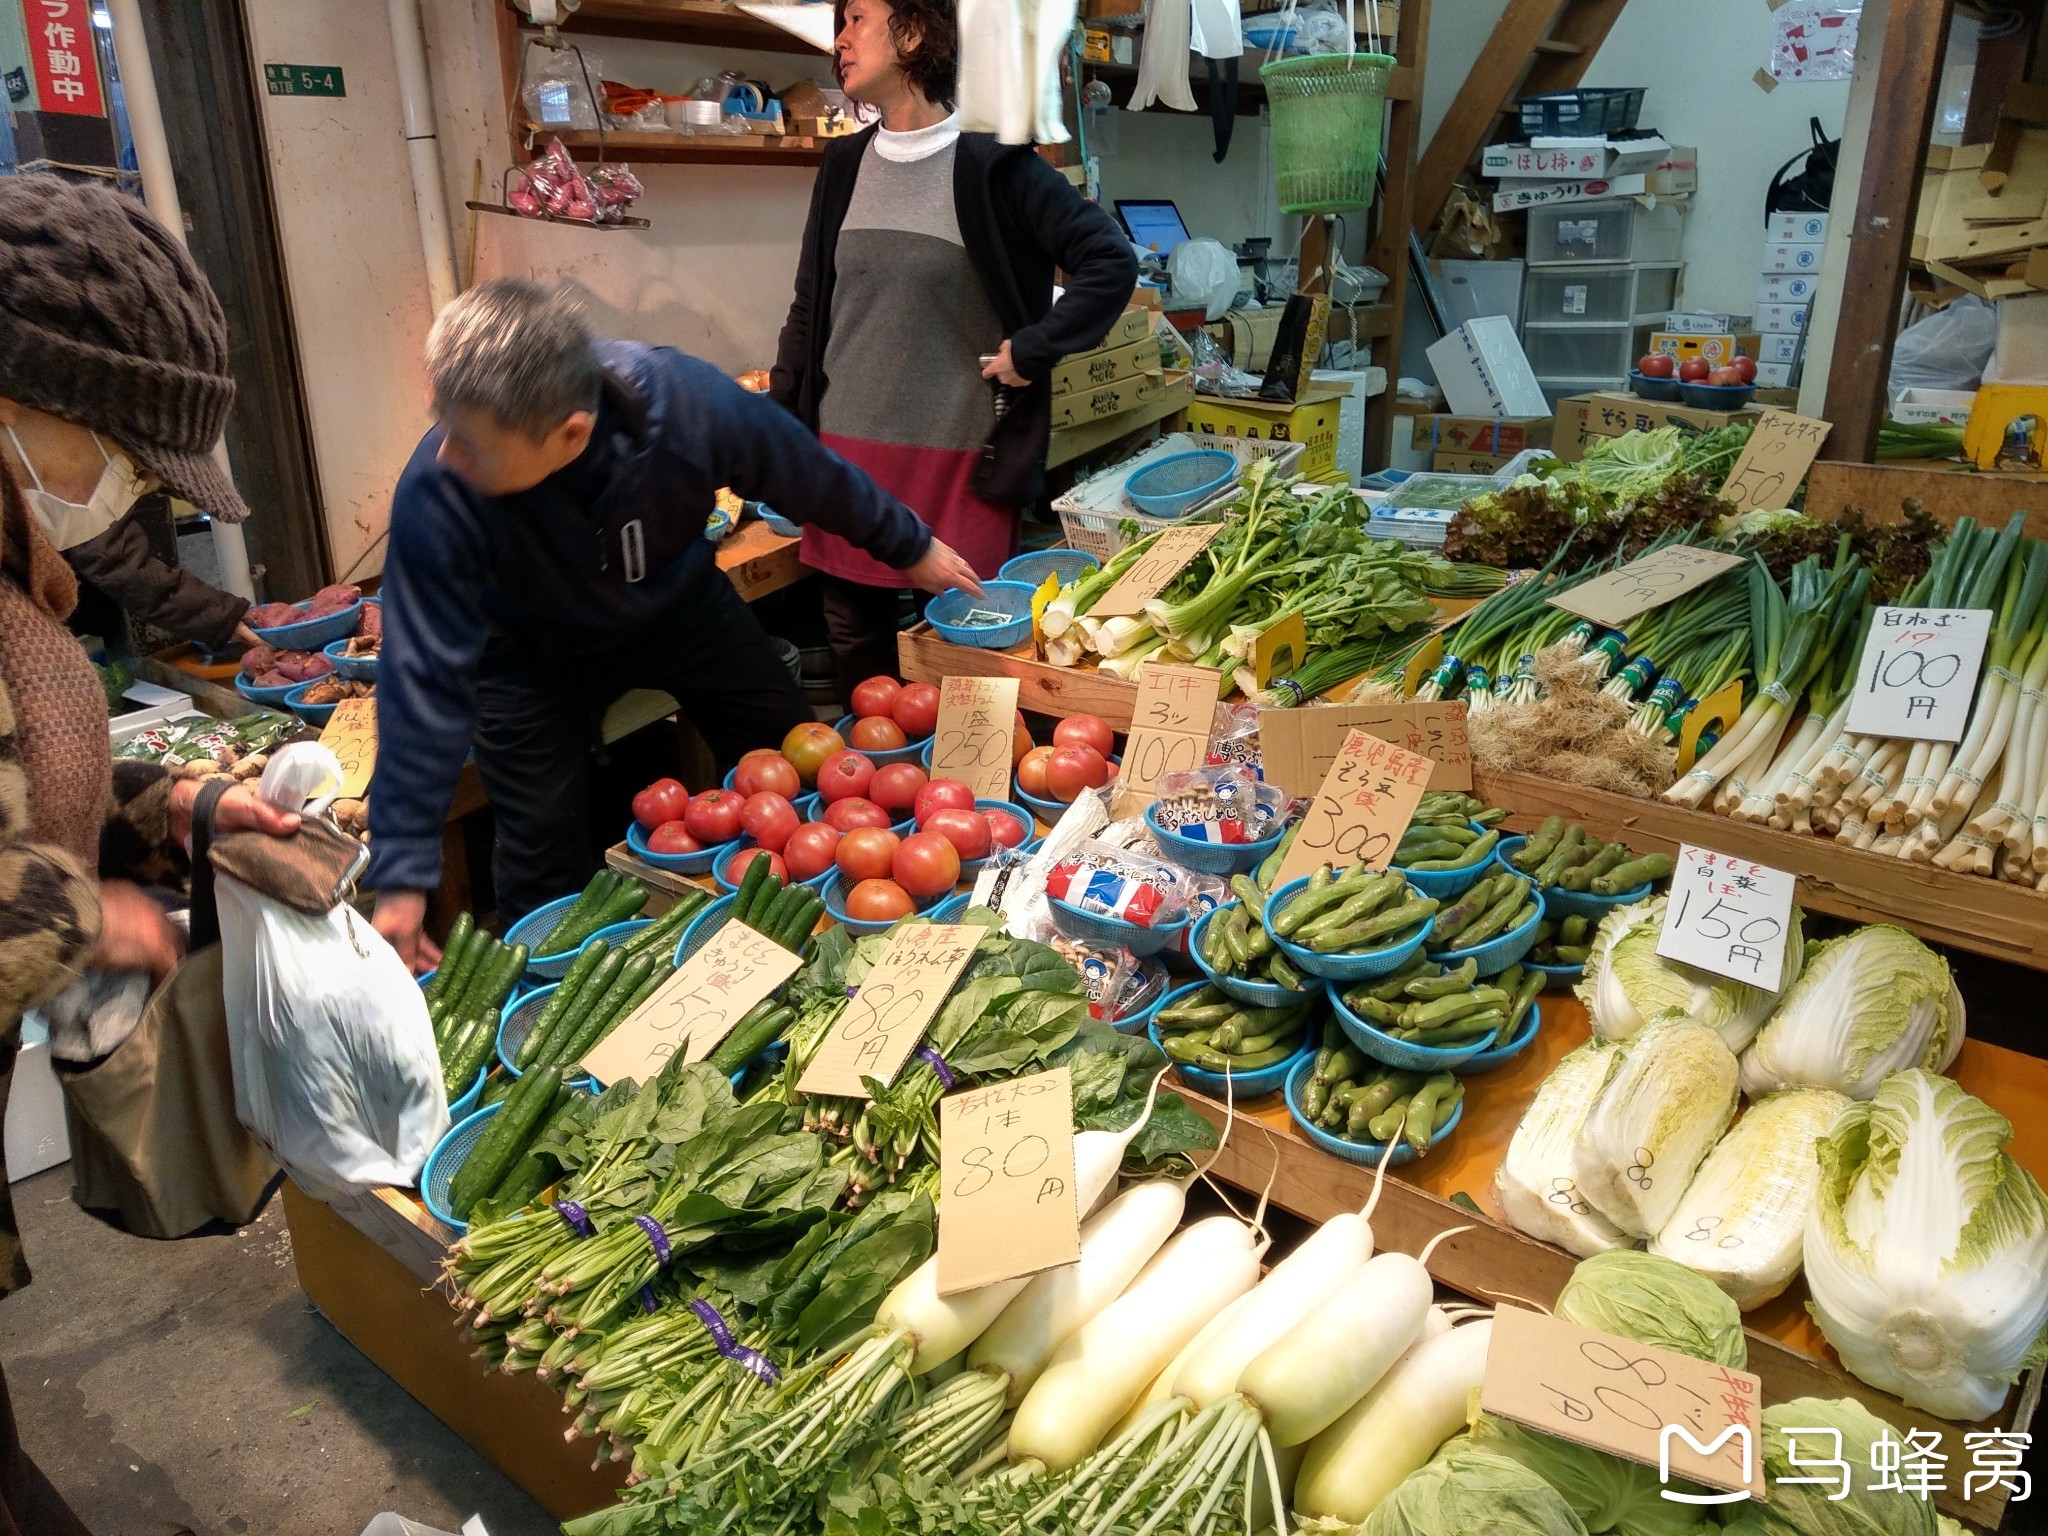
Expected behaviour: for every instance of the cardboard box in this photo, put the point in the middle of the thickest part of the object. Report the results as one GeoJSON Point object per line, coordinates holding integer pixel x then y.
{"type": "Point", "coordinates": [1786, 288]}
{"type": "Point", "coordinates": [1131, 324]}
{"type": "Point", "coordinates": [1781, 256]}
{"type": "Point", "coordinates": [1099, 45]}
{"type": "Point", "coordinates": [1084, 405]}
{"type": "Point", "coordinates": [1796, 228]}
{"type": "Point", "coordinates": [1312, 422]}
{"type": "Point", "coordinates": [1777, 349]}
{"type": "Point", "coordinates": [1773, 375]}
{"type": "Point", "coordinates": [1705, 322]}
{"type": "Point", "coordinates": [1933, 407]}
{"type": "Point", "coordinates": [1715, 349]}
{"type": "Point", "coordinates": [1471, 463]}
{"type": "Point", "coordinates": [1582, 418]}
{"type": "Point", "coordinates": [1781, 319]}
{"type": "Point", "coordinates": [1091, 370]}
{"type": "Point", "coordinates": [1583, 159]}
{"type": "Point", "coordinates": [1543, 194]}
{"type": "Point", "coordinates": [1480, 434]}
{"type": "Point", "coordinates": [1483, 371]}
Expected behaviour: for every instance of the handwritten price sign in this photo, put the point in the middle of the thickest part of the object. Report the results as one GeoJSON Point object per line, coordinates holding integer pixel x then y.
{"type": "Point", "coordinates": [1774, 460]}
{"type": "Point", "coordinates": [1366, 802]}
{"type": "Point", "coordinates": [1919, 672]}
{"type": "Point", "coordinates": [697, 1007]}
{"type": "Point", "coordinates": [1646, 582]}
{"type": "Point", "coordinates": [1007, 1205]}
{"type": "Point", "coordinates": [1297, 746]}
{"type": "Point", "coordinates": [351, 735]}
{"type": "Point", "coordinates": [1728, 916]}
{"type": "Point", "coordinates": [1149, 574]}
{"type": "Point", "coordinates": [888, 1016]}
{"type": "Point", "coordinates": [975, 734]}
{"type": "Point", "coordinates": [1170, 725]}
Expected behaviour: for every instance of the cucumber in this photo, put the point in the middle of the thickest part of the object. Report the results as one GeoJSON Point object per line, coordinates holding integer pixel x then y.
{"type": "Point", "coordinates": [511, 1130]}
{"type": "Point", "coordinates": [534, 1171]}
{"type": "Point", "coordinates": [475, 977]}
{"type": "Point", "coordinates": [457, 962]}
{"type": "Point", "coordinates": [476, 1050]}
{"type": "Point", "coordinates": [623, 904]}
{"type": "Point", "coordinates": [565, 994]}
{"type": "Point", "coordinates": [607, 1011]}
{"type": "Point", "coordinates": [497, 1088]}
{"type": "Point", "coordinates": [750, 885]}
{"type": "Point", "coordinates": [750, 1037]}
{"type": "Point", "coordinates": [802, 918]}
{"type": "Point", "coordinates": [458, 936]}
{"type": "Point", "coordinates": [458, 1047]}
{"type": "Point", "coordinates": [581, 920]}
{"type": "Point", "coordinates": [504, 976]}
{"type": "Point", "coordinates": [571, 1022]}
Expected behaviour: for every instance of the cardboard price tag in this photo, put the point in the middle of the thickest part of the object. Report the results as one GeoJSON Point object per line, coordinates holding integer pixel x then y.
{"type": "Point", "coordinates": [1007, 1205]}
{"type": "Point", "coordinates": [351, 735]}
{"type": "Point", "coordinates": [1297, 746]}
{"type": "Point", "coordinates": [1366, 802]}
{"type": "Point", "coordinates": [1646, 582]}
{"type": "Point", "coordinates": [976, 731]}
{"type": "Point", "coordinates": [1774, 460]}
{"type": "Point", "coordinates": [1918, 676]}
{"type": "Point", "coordinates": [888, 1016]}
{"type": "Point", "coordinates": [697, 1007]}
{"type": "Point", "coordinates": [1149, 574]}
{"type": "Point", "coordinates": [1170, 727]}
{"type": "Point", "coordinates": [1728, 916]}
{"type": "Point", "coordinates": [1691, 1419]}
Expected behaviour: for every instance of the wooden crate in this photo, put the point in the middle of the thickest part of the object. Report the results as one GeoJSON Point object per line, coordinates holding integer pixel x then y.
{"type": "Point", "coordinates": [921, 656]}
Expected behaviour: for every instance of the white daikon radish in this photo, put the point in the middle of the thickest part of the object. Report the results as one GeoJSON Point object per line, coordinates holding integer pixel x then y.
{"type": "Point", "coordinates": [1095, 1376]}
{"type": "Point", "coordinates": [940, 1327]}
{"type": "Point", "coordinates": [1417, 1406]}
{"type": "Point", "coordinates": [1098, 1155]}
{"type": "Point", "coordinates": [1116, 1243]}
{"type": "Point", "coordinates": [1265, 1512]}
{"type": "Point", "coordinates": [1161, 1389]}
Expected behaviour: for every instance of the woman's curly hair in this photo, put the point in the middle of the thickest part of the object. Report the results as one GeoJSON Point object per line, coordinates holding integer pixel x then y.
{"type": "Point", "coordinates": [927, 38]}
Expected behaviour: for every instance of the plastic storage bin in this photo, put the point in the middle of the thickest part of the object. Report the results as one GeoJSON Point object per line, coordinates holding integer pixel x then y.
{"type": "Point", "coordinates": [1590, 110]}
{"type": "Point", "coordinates": [1603, 232]}
{"type": "Point", "coordinates": [1584, 351]}
{"type": "Point", "coordinates": [1593, 296]}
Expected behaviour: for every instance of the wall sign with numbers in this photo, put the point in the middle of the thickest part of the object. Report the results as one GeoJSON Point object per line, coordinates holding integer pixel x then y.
{"type": "Point", "coordinates": [1918, 676]}
{"type": "Point", "coordinates": [1729, 916]}
{"type": "Point", "coordinates": [1364, 805]}
{"type": "Point", "coordinates": [1007, 1203]}
{"type": "Point", "coordinates": [887, 1017]}
{"type": "Point", "coordinates": [1774, 460]}
{"type": "Point", "coordinates": [304, 80]}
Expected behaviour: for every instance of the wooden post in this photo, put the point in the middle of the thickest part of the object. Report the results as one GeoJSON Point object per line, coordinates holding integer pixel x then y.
{"type": "Point", "coordinates": [1312, 269]}
{"type": "Point", "coordinates": [1389, 248]}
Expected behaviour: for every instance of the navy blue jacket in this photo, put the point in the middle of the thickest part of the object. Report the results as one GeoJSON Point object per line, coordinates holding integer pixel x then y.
{"type": "Point", "coordinates": [594, 559]}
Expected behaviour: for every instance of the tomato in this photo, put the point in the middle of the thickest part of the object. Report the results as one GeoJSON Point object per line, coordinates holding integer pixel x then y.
{"type": "Point", "coordinates": [809, 851]}
{"type": "Point", "coordinates": [663, 800]}
{"type": "Point", "coordinates": [714, 816]}
{"type": "Point", "coordinates": [1085, 731]}
{"type": "Point", "coordinates": [1746, 366]}
{"type": "Point", "coordinates": [1031, 772]}
{"type": "Point", "coordinates": [672, 837]}
{"type": "Point", "coordinates": [765, 770]}
{"type": "Point", "coordinates": [1694, 370]}
{"type": "Point", "coordinates": [1020, 740]}
{"type": "Point", "coordinates": [1005, 829]}
{"type": "Point", "coordinates": [1726, 378]}
{"type": "Point", "coordinates": [845, 774]}
{"type": "Point", "coordinates": [736, 864]}
{"type": "Point", "coordinates": [866, 853]}
{"type": "Point", "coordinates": [916, 709]}
{"type": "Point", "coordinates": [808, 746]}
{"type": "Point", "coordinates": [926, 865]}
{"type": "Point", "coordinates": [1072, 769]}
{"type": "Point", "coordinates": [896, 786]}
{"type": "Point", "coordinates": [967, 831]}
{"type": "Point", "coordinates": [874, 696]}
{"type": "Point", "coordinates": [878, 901]}
{"type": "Point", "coordinates": [940, 795]}
{"type": "Point", "coordinates": [853, 812]}
{"type": "Point", "coordinates": [1657, 365]}
{"type": "Point", "coordinates": [878, 733]}
{"type": "Point", "coordinates": [768, 820]}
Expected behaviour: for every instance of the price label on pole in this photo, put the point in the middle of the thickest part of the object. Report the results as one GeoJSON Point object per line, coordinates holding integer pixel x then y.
{"type": "Point", "coordinates": [1692, 1419]}
{"type": "Point", "coordinates": [1773, 462]}
{"type": "Point", "coordinates": [351, 735]}
{"type": "Point", "coordinates": [884, 1021]}
{"type": "Point", "coordinates": [1297, 746]}
{"type": "Point", "coordinates": [1366, 802]}
{"type": "Point", "coordinates": [977, 730]}
{"type": "Point", "coordinates": [1646, 582]}
{"type": "Point", "coordinates": [1170, 726]}
{"type": "Point", "coordinates": [1918, 676]}
{"type": "Point", "coordinates": [1151, 572]}
{"type": "Point", "coordinates": [697, 1007]}
{"type": "Point", "coordinates": [1728, 916]}
{"type": "Point", "coordinates": [1007, 1205]}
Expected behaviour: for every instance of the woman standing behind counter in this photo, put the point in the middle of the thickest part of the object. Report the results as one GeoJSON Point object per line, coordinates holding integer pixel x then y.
{"type": "Point", "coordinates": [923, 331]}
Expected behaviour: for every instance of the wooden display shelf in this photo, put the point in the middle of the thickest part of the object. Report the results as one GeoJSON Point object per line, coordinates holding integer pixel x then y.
{"type": "Point", "coordinates": [921, 656]}
{"type": "Point", "coordinates": [757, 560]}
{"type": "Point", "coordinates": [696, 148]}
{"type": "Point", "coordinates": [1495, 1263]}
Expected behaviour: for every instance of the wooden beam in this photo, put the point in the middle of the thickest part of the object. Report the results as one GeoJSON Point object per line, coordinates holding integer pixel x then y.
{"type": "Point", "coordinates": [1914, 43]}
{"type": "Point", "coordinates": [1573, 42]}
{"type": "Point", "coordinates": [1469, 123]}
{"type": "Point", "coordinates": [1388, 249]}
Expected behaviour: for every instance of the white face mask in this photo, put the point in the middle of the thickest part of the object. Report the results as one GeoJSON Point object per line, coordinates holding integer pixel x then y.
{"type": "Point", "coordinates": [69, 523]}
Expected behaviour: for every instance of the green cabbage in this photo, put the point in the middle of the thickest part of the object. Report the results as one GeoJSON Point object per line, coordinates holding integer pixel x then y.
{"type": "Point", "coordinates": [1805, 1509]}
{"type": "Point", "coordinates": [1463, 1490]}
{"type": "Point", "coordinates": [1866, 1005]}
{"type": "Point", "coordinates": [1534, 1185]}
{"type": "Point", "coordinates": [1627, 983]}
{"type": "Point", "coordinates": [1657, 1118]}
{"type": "Point", "coordinates": [1742, 1222]}
{"type": "Point", "coordinates": [1926, 1248]}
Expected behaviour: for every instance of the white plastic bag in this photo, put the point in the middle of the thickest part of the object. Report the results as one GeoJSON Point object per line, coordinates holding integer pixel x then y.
{"type": "Point", "coordinates": [335, 1068]}
{"type": "Point", "coordinates": [1203, 273]}
{"type": "Point", "coordinates": [1947, 349]}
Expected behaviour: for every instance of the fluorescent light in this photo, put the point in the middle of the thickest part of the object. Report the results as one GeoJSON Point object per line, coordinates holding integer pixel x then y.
{"type": "Point", "coordinates": [101, 18]}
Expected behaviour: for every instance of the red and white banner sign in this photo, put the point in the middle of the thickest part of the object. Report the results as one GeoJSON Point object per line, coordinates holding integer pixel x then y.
{"type": "Point", "coordinates": [60, 47]}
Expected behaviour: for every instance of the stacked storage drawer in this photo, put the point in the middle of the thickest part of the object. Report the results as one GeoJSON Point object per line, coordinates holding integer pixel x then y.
{"type": "Point", "coordinates": [1601, 276]}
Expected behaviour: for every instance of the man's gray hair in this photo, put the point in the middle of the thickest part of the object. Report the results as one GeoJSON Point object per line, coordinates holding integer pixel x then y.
{"type": "Point", "coordinates": [517, 350]}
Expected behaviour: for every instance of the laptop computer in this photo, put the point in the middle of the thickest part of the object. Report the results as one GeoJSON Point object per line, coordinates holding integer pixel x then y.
{"type": "Point", "coordinates": [1154, 224]}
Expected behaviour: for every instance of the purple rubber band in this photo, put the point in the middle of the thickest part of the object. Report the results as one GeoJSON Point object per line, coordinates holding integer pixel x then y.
{"type": "Point", "coordinates": [655, 1236]}
{"type": "Point", "coordinates": [576, 1216]}
{"type": "Point", "coordinates": [731, 1348]}
{"type": "Point", "coordinates": [938, 1065]}
{"type": "Point", "coordinates": [648, 1303]}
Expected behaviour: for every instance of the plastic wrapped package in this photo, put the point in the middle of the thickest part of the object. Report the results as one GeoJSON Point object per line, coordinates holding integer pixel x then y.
{"type": "Point", "coordinates": [1234, 739]}
{"type": "Point", "coordinates": [1124, 884]}
{"type": "Point", "coordinates": [1221, 805]}
{"type": "Point", "coordinates": [557, 92]}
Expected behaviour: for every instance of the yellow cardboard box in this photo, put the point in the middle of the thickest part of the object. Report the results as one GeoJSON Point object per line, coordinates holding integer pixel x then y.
{"type": "Point", "coordinates": [1310, 421]}
{"type": "Point", "coordinates": [1715, 349]}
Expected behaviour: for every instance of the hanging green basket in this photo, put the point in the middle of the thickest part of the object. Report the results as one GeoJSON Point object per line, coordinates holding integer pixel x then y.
{"type": "Point", "coordinates": [1327, 112]}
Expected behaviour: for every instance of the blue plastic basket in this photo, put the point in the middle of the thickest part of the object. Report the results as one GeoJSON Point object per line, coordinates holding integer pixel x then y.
{"type": "Point", "coordinates": [1263, 994]}
{"type": "Point", "coordinates": [261, 695]}
{"type": "Point", "coordinates": [1563, 903]}
{"type": "Point", "coordinates": [908, 753]}
{"type": "Point", "coordinates": [1497, 954]}
{"type": "Point", "coordinates": [313, 634]}
{"type": "Point", "coordinates": [359, 669]}
{"type": "Point", "coordinates": [1170, 486]}
{"type": "Point", "coordinates": [516, 1020]}
{"type": "Point", "coordinates": [1385, 1049]}
{"type": "Point", "coordinates": [1558, 976]}
{"type": "Point", "coordinates": [1093, 928]}
{"type": "Point", "coordinates": [698, 930]}
{"type": "Point", "coordinates": [1048, 811]}
{"type": "Point", "coordinates": [1210, 858]}
{"type": "Point", "coordinates": [618, 933]}
{"type": "Point", "coordinates": [1237, 1085]}
{"type": "Point", "coordinates": [312, 714]}
{"type": "Point", "coordinates": [1449, 884]}
{"type": "Point", "coordinates": [836, 889]}
{"type": "Point", "coordinates": [949, 910]}
{"type": "Point", "coordinates": [1012, 598]}
{"type": "Point", "coordinates": [1370, 1153]}
{"type": "Point", "coordinates": [1140, 1022]}
{"type": "Point", "coordinates": [446, 1160]}
{"type": "Point", "coordinates": [533, 929]}
{"type": "Point", "coordinates": [1499, 1055]}
{"type": "Point", "coordinates": [1069, 565]}
{"type": "Point", "coordinates": [969, 868]}
{"type": "Point", "coordinates": [471, 1096]}
{"type": "Point", "coordinates": [698, 863]}
{"type": "Point", "coordinates": [1371, 962]}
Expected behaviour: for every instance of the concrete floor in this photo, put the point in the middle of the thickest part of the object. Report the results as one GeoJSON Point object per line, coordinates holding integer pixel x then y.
{"type": "Point", "coordinates": [166, 1385]}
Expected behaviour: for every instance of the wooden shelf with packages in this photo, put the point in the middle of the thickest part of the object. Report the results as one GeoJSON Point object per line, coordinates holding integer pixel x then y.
{"type": "Point", "coordinates": [697, 148]}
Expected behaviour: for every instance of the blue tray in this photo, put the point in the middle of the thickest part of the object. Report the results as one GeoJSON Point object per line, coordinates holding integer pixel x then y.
{"type": "Point", "coordinates": [1093, 928]}
{"type": "Point", "coordinates": [312, 714]}
{"type": "Point", "coordinates": [446, 1160]}
{"type": "Point", "coordinates": [698, 930]}
{"type": "Point", "coordinates": [1499, 1055]}
{"type": "Point", "coordinates": [533, 929]}
{"type": "Point", "coordinates": [1447, 885]}
{"type": "Point", "coordinates": [360, 669]}
{"type": "Point", "coordinates": [1012, 598]}
{"type": "Point", "coordinates": [836, 890]}
{"type": "Point", "coordinates": [731, 887]}
{"type": "Point", "coordinates": [1239, 1086]}
{"type": "Point", "coordinates": [1385, 1049]}
{"type": "Point", "coordinates": [471, 1096]}
{"type": "Point", "coordinates": [1210, 858]}
{"type": "Point", "coordinates": [1502, 951]}
{"type": "Point", "coordinates": [1261, 994]}
{"type": "Point", "coordinates": [1354, 967]}
{"type": "Point", "coordinates": [1170, 486]}
{"type": "Point", "coordinates": [261, 695]}
{"type": "Point", "coordinates": [1370, 1153]}
{"type": "Point", "coordinates": [698, 863]}
{"type": "Point", "coordinates": [1070, 565]}
{"type": "Point", "coordinates": [908, 753]}
{"type": "Point", "coordinates": [312, 634]}
{"type": "Point", "coordinates": [1561, 902]}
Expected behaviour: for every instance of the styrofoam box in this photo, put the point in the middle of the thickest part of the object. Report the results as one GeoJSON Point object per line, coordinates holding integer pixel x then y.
{"type": "Point", "coordinates": [1936, 407]}
{"type": "Point", "coordinates": [1778, 349]}
{"type": "Point", "coordinates": [1360, 384]}
{"type": "Point", "coordinates": [36, 1137]}
{"type": "Point", "coordinates": [1706, 322]}
{"type": "Point", "coordinates": [1781, 319]}
{"type": "Point", "coordinates": [1483, 371]}
{"type": "Point", "coordinates": [1786, 288]}
{"type": "Point", "coordinates": [1773, 375]}
{"type": "Point", "coordinates": [1797, 228]}
{"type": "Point", "coordinates": [1780, 257]}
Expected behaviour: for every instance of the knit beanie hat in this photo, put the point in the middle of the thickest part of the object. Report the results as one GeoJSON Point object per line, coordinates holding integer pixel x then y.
{"type": "Point", "coordinates": [106, 321]}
